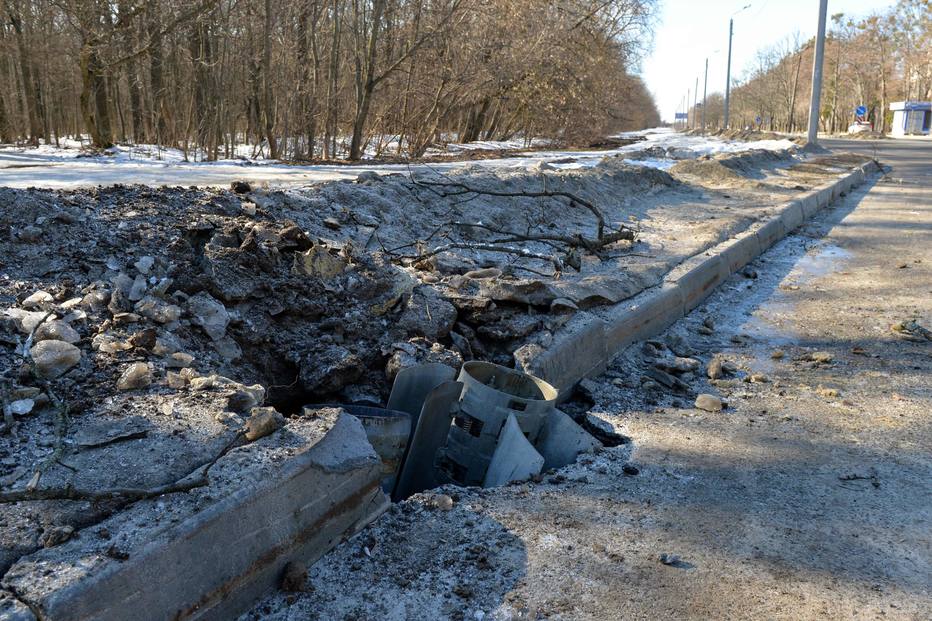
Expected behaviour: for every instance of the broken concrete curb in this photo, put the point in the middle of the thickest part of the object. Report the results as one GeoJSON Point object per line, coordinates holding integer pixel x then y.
{"type": "Point", "coordinates": [587, 344]}
{"type": "Point", "coordinates": [770, 233]}
{"type": "Point", "coordinates": [739, 252]}
{"type": "Point", "coordinates": [581, 344]}
{"type": "Point", "coordinates": [216, 563]}
{"type": "Point", "coordinates": [703, 274]}
{"type": "Point", "coordinates": [643, 316]}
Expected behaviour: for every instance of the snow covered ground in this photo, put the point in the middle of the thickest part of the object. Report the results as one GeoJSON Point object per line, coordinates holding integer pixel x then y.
{"type": "Point", "coordinates": [53, 167]}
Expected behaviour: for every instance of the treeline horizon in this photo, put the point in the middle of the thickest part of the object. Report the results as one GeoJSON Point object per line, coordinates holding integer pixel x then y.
{"type": "Point", "coordinates": [299, 76]}
{"type": "Point", "coordinates": [871, 61]}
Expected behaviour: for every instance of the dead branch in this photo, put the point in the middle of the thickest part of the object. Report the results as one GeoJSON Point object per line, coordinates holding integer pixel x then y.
{"type": "Point", "coordinates": [449, 187]}
{"type": "Point", "coordinates": [576, 241]}
{"type": "Point", "coordinates": [199, 477]}
{"type": "Point", "coordinates": [522, 252]}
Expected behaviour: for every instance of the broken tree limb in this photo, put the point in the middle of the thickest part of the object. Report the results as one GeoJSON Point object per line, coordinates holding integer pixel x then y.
{"type": "Point", "coordinates": [576, 240]}
{"type": "Point", "coordinates": [451, 187]}
{"type": "Point", "coordinates": [522, 252]}
{"type": "Point", "coordinates": [457, 188]}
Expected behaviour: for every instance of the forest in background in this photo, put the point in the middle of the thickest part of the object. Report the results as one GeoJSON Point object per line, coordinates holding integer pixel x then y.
{"type": "Point", "coordinates": [882, 58]}
{"type": "Point", "coordinates": [321, 79]}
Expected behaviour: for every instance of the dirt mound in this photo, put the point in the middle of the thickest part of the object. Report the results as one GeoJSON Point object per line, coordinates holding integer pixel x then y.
{"type": "Point", "coordinates": [730, 168]}
{"type": "Point", "coordinates": [866, 136]}
{"type": "Point", "coordinates": [747, 135]}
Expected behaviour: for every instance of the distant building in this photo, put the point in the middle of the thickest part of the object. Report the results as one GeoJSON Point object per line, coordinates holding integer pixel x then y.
{"type": "Point", "coordinates": [911, 118]}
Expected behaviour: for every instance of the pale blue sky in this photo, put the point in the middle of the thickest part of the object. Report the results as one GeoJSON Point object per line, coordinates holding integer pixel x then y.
{"type": "Point", "coordinates": [690, 30]}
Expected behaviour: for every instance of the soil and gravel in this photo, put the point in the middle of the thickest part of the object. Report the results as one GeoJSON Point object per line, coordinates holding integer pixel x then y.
{"type": "Point", "coordinates": [143, 327]}
{"type": "Point", "coordinates": [806, 496]}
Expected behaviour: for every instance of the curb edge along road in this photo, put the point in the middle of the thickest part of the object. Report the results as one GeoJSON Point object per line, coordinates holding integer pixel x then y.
{"type": "Point", "coordinates": [217, 563]}
{"type": "Point", "coordinates": [588, 342]}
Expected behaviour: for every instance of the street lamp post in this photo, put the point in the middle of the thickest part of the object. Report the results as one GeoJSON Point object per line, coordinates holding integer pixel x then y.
{"type": "Point", "coordinates": [731, 31]}
{"type": "Point", "coordinates": [814, 101]}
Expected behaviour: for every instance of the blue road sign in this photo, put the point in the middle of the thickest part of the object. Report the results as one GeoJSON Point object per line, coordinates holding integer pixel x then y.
{"type": "Point", "coordinates": [860, 110]}
{"type": "Point", "coordinates": [681, 116]}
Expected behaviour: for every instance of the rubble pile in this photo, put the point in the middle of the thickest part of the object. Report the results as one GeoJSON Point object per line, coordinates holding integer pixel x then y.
{"type": "Point", "coordinates": [144, 329]}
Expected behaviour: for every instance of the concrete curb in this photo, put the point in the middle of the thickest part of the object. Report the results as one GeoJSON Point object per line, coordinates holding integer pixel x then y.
{"type": "Point", "coordinates": [587, 344]}
{"type": "Point", "coordinates": [216, 563]}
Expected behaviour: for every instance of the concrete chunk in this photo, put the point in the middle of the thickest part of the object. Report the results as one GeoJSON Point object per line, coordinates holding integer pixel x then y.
{"type": "Point", "coordinates": [578, 350]}
{"type": "Point", "coordinates": [220, 548]}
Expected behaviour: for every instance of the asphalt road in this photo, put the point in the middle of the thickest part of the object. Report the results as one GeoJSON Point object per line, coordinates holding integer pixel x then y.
{"type": "Point", "coordinates": [911, 157]}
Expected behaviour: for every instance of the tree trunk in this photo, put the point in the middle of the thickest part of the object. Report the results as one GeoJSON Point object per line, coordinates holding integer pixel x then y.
{"type": "Point", "coordinates": [476, 121]}
{"type": "Point", "coordinates": [883, 89]}
{"type": "Point", "coordinates": [27, 75]}
{"type": "Point", "coordinates": [365, 83]}
{"type": "Point", "coordinates": [5, 133]}
{"type": "Point", "coordinates": [156, 75]}
{"type": "Point", "coordinates": [792, 122]}
{"type": "Point", "coordinates": [332, 83]}
{"type": "Point", "coordinates": [135, 103]}
{"type": "Point", "coordinates": [309, 60]}
{"type": "Point", "coordinates": [835, 88]}
{"type": "Point", "coordinates": [94, 102]}
{"type": "Point", "coordinates": [268, 109]}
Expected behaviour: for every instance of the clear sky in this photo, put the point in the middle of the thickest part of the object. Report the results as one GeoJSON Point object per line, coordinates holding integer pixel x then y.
{"type": "Point", "coordinates": [690, 30]}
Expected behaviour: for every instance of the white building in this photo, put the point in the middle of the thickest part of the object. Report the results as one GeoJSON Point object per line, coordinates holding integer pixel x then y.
{"type": "Point", "coordinates": [911, 117]}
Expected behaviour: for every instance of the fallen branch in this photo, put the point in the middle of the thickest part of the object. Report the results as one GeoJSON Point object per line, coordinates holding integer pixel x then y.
{"type": "Point", "coordinates": [460, 189]}
{"type": "Point", "coordinates": [567, 244]}
{"type": "Point", "coordinates": [522, 252]}
{"type": "Point", "coordinates": [576, 241]}
{"type": "Point", "coordinates": [196, 478]}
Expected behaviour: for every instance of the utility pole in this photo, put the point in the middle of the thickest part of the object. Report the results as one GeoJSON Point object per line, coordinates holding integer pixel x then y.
{"type": "Point", "coordinates": [815, 100]}
{"type": "Point", "coordinates": [695, 101]}
{"type": "Point", "coordinates": [731, 32]}
{"type": "Point", "coordinates": [705, 84]}
{"type": "Point", "coordinates": [686, 121]}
